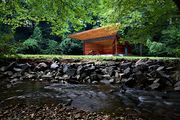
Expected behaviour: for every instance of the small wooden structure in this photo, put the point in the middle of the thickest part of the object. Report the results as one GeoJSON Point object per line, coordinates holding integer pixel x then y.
{"type": "Point", "coordinates": [100, 41]}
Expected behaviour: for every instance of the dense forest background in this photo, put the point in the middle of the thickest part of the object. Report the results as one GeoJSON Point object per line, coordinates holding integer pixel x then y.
{"type": "Point", "coordinates": [42, 26]}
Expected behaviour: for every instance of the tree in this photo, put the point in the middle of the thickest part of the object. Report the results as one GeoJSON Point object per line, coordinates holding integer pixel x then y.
{"type": "Point", "coordinates": [6, 40]}
{"type": "Point", "coordinates": [32, 44]}
{"type": "Point", "coordinates": [71, 47]}
{"type": "Point", "coordinates": [168, 43]}
{"type": "Point", "coordinates": [36, 44]}
{"type": "Point", "coordinates": [139, 18]}
{"type": "Point", "coordinates": [58, 12]}
{"type": "Point", "coordinates": [29, 46]}
{"type": "Point", "coordinates": [52, 47]}
{"type": "Point", "coordinates": [137, 13]}
{"type": "Point", "coordinates": [37, 34]}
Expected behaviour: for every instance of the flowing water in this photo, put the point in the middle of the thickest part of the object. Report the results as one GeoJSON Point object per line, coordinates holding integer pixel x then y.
{"type": "Point", "coordinates": [107, 98]}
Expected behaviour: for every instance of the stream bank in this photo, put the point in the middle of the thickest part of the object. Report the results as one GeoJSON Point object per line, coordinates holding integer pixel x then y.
{"type": "Point", "coordinates": [124, 89]}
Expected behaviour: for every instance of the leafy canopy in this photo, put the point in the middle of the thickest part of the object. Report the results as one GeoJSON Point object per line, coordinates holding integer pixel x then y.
{"type": "Point", "coordinates": [60, 13]}
{"type": "Point", "coordinates": [139, 15]}
{"type": "Point", "coordinates": [138, 18]}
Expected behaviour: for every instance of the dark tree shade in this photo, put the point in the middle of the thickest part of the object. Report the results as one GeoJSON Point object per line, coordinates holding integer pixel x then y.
{"type": "Point", "coordinates": [177, 2]}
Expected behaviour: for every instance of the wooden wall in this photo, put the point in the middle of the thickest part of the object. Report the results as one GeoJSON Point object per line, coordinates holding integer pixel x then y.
{"type": "Point", "coordinates": [103, 47]}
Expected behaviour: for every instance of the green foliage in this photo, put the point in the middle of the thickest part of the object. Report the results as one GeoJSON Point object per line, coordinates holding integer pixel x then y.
{"type": "Point", "coordinates": [168, 44]}
{"type": "Point", "coordinates": [136, 50]}
{"type": "Point", "coordinates": [29, 46]}
{"type": "Point", "coordinates": [58, 12]}
{"type": "Point", "coordinates": [52, 48]}
{"type": "Point", "coordinates": [176, 52]}
{"type": "Point", "coordinates": [7, 45]}
{"type": "Point", "coordinates": [37, 34]}
{"type": "Point", "coordinates": [156, 48]}
{"type": "Point", "coordinates": [171, 36]}
{"type": "Point", "coordinates": [139, 19]}
{"type": "Point", "coordinates": [139, 15]}
{"type": "Point", "coordinates": [71, 47]}
{"type": "Point", "coordinates": [38, 45]}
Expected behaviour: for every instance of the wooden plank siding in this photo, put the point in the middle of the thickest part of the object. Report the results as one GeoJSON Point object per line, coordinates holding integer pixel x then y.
{"type": "Point", "coordinates": [103, 40]}
{"type": "Point", "coordinates": [109, 46]}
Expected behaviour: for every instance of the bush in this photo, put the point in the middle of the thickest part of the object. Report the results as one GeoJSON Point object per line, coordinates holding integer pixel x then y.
{"type": "Point", "coordinates": [168, 43]}
{"type": "Point", "coordinates": [37, 34]}
{"type": "Point", "coordinates": [71, 47]}
{"type": "Point", "coordinates": [36, 44]}
{"type": "Point", "coordinates": [52, 47]}
{"type": "Point", "coordinates": [176, 52]}
{"type": "Point", "coordinates": [7, 43]}
{"type": "Point", "coordinates": [29, 46]}
{"type": "Point", "coordinates": [156, 49]}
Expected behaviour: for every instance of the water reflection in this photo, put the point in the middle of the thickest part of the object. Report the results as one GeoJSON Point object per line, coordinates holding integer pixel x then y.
{"type": "Point", "coordinates": [106, 98]}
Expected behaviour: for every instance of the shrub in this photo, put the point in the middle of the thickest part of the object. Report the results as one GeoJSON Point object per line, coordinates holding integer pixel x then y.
{"type": "Point", "coordinates": [168, 43]}
{"type": "Point", "coordinates": [52, 47]}
{"type": "Point", "coordinates": [29, 46]}
{"type": "Point", "coordinates": [7, 43]}
{"type": "Point", "coordinates": [71, 47]}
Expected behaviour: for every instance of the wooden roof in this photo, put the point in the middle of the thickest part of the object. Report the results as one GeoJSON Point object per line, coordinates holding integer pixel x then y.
{"type": "Point", "coordinates": [96, 33]}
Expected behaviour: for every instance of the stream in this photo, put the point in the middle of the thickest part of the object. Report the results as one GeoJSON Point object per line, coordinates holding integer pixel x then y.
{"type": "Point", "coordinates": [100, 98]}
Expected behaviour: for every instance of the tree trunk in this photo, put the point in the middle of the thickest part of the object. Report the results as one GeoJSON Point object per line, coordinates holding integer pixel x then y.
{"type": "Point", "coordinates": [177, 2]}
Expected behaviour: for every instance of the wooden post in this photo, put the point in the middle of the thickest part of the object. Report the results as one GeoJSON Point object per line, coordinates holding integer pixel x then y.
{"type": "Point", "coordinates": [115, 46]}
{"type": "Point", "coordinates": [84, 48]}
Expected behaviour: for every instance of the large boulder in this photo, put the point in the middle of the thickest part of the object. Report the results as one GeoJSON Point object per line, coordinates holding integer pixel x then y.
{"type": "Point", "coordinates": [177, 86]}
{"type": "Point", "coordinates": [141, 65]}
{"type": "Point", "coordinates": [8, 73]}
{"type": "Point", "coordinates": [127, 71]}
{"type": "Point", "coordinates": [125, 65]}
{"type": "Point", "coordinates": [94, 77]}
{"type": "Point", "coordinates": [54, 65]}
{"type": "Point", "coordinates": [130, 82]}
{"type": "Point", "coordinates": [107, 82]}
{"type": "Point", "coordinates": [47, 76]}
{"type": "Point", "coordinates": [9, 67]}
{"type": "Point", "coordinates": [41, 66]}
{"type": "Point", "coordinates": [80, 69]}
{"type": "Point", "coordinates": [71, 71]}
{"type": "Point", "coordinates": [155, 86]}
{"type": "Point", "coordinates": [111, 70]}
{"type": "Point", "coordinates": [3, 68]}
{"type": "Point", "coordinates": [21, 67]}
{"type": "Point", "coordinates": [65, 68]}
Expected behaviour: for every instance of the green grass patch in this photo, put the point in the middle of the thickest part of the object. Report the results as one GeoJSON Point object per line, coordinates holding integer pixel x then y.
{"type": "Point", "coordinates": [86, 57]}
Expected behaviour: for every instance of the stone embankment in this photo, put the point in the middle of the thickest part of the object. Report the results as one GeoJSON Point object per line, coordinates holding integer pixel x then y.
{"type": "Point", "coordinates": [141, 74]}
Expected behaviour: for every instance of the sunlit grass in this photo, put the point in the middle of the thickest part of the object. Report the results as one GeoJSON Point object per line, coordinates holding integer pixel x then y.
{"type": "Point", "coordinates": [91, 57]}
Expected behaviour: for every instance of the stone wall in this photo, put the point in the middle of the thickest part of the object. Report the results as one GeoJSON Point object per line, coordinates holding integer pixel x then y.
{"type": "Point", "coordinates": [142, 74]}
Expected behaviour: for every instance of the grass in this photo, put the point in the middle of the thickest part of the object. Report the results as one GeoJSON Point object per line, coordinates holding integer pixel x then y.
{"type": "Point", "coordinates": [87, 57]}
